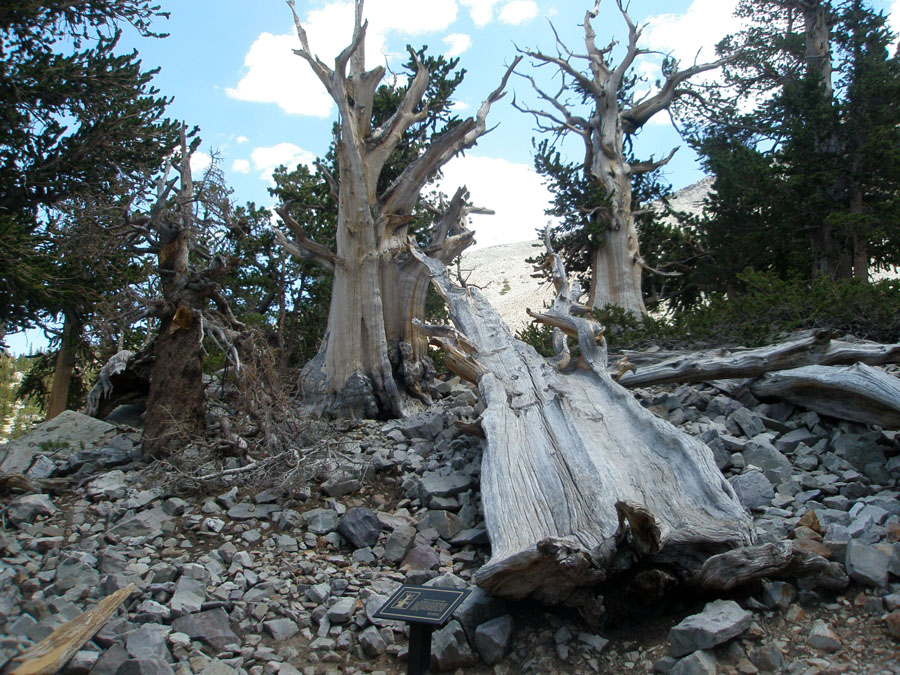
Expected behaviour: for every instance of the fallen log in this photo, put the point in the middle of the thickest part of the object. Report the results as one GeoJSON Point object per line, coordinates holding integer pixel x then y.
{"type": "Point", "coordinates": [858, 393]}
{"type": "Point", "coordinates": [579, 481]}
{"type": "Point", "coordinates": [53, 652]}
{"type": "Point", "coordinates": [814, 349]}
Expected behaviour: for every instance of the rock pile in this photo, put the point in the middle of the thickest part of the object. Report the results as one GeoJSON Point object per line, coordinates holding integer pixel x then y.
{"type": "Point", "coordinates": [268, 581]}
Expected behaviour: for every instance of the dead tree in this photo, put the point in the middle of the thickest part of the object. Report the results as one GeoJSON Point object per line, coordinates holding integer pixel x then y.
{"type": "Point", "coordinates": [580, 482]}
{"type": "Point", "coordinates": [378, 289]}
{"type": "Point", "coordinates": [617, 265]}
{"type": "Point", "coordinates": [169, 228]}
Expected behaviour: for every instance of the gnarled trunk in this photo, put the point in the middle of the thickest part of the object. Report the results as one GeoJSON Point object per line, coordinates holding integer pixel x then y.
{"type": "Point", "coordinates": [64, 367]}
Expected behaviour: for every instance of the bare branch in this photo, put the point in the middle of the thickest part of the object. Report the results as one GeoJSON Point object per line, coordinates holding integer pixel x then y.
{"type": "Point", "coordinates": [333, 188]}
{"type": "Point", "coordinates": [313, 250]}
{"type": "Point", "coordinates": [650, 165]}
{"type": "Point", "coordinates": [384, 139]}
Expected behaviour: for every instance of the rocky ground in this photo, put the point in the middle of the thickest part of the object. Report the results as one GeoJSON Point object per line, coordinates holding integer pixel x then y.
{"type": "Point", "coordinates": [260, 581]}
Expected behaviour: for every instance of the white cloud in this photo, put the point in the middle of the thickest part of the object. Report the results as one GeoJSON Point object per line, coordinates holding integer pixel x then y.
{"type": "Point", "coordinates": [514, 191]}
{"type": "Point", "coordinates": [241, 139]}
{"type": "Point", "coordinates": [481, 11]}
{"type": "Point", "coordinates": [457, 43]}
{"type": "Point", "coordinates": [894, 19]}
{"type": "Point", "coordinates": [267, 159]}
{"type": "Point", "coordinates": [274, 74]}
{"type": "Point", "coordinates": [200, 162]}
{"type": "Point", "coordinates": [704, 24]}
{"type": "Point", "coordinates": [518, 11]}
{"type": "Point", "coordinates": [460, 106]}
{"type": "Point", "coordinates": [240, 166]}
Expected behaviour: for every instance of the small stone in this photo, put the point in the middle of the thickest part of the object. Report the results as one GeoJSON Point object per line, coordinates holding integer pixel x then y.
{"type": "Point", "coordinates": [371, 642]}
{"type": "Point", "coordinates": [719, 621]}
{"type": "Point", "coordinates": [245, 511]}
{"type": "Point", "coordinates": [341, 486]}
{"type": "Point", "coordinates": [281, 629]}
{"type": "Point", "coordinates": [360, 526]}
{"type": "Point", "coordinates": [753, 489]}
{"type": "Point", "coordinates": [190, 594]}
{"type": "Point", "coordinates": [823, 637]}
{"type": "Point", "coordinates": [342, 610]}
{"type": "Point", "coordinates": [696, 663]}
{"type": "Point", "coordinates": [892, 621]}
{"type": "Point", "coordinates": [595, 642]}
{"type": "Point", "coordinates": [399, 543]}
{"type": "Point", "coordinates": [778, 594]}
{"type": "Point", "coordinates": [447, 524]}
{"type": "Point", "coordinates": [867, 564]}
{"type": "Point", "coordinates": [494, 638]}
{"type": "Point", "coordinates": [110, 485]}
{"type": "Point", "coordinates": [421, 557]}
{"type": "Point", "coordinates": [27, 508]}
{"type": "Point", "coordinates": [767, 658]}
{"type": "Point", "coordinates": [450, 649]}
{"type": "Point", "coordinates": [149, 642]}
{"type": "Point", "coordinates": [321, 521]}
{"type": "Point", "coordinates": [211, 627]}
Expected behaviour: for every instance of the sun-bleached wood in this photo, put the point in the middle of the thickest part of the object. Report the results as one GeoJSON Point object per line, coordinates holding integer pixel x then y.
{"type": "Point", "coordinates": [816, 348]}
{"type": "Point", "coordinates": [578, 479]}
{"type": "Point", "coordinates": [858, 393]}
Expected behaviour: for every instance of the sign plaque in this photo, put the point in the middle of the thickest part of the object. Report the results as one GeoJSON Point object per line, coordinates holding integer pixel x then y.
{"type": "Point", "coordinates": [423, 607]}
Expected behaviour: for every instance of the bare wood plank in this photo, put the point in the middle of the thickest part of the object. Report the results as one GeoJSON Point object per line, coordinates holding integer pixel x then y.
{"type": "Point", "coordinates": [53, 652]}
{"type": "Point", "coordinates": [859, 392]}
{"type": "Point", "coordinates": [815, 349]}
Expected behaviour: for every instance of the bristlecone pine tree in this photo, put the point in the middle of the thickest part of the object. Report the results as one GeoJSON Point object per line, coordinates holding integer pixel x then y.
{"type": "Point", "coordinates": [372, 352]}
{"type": "Point", "coordinates": [617, 261]}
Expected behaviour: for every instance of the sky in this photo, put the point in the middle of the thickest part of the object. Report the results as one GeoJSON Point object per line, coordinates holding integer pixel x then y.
{"type": "Point", "coordinates": [229, 68]}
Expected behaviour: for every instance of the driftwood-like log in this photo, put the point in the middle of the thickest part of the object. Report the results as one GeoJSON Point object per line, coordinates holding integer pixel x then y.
{"type": "Point", "coordinates": [859, 392]}
{"type": "Point", "coordinates": [816, 349]}
{"type": "Point", "coordinates": [53, 652]}
{"type": "Point", "coordinates": [578, 479]}
{"type": "Point", "coordinates": [731, 569]}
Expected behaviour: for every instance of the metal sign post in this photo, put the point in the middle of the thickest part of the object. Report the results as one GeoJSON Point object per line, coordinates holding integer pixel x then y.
{"type": "Point", "coordinates": [423, 608]}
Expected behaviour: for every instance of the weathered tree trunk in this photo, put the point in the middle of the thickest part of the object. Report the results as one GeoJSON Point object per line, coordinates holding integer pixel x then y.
{"type": "Point", "coordinates": [815, 349]}
{"type": "Point", "coordinates": [64, 368]}
{"type": "Point", "coordinates": [617, 265]}
{"type": "Point", "coordinates": [859, 392]}
{"type": "Point", "coordinates": [370, 352]}
{"type": "Point", "coordinates": [579, 481]}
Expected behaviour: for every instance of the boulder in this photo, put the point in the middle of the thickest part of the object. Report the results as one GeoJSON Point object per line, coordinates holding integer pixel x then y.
{"type": "Point", "coordinates": [719, 621]}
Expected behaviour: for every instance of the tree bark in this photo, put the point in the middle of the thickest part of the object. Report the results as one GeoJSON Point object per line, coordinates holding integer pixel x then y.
{"type": "Point", "coordinates": [579, 482]}
{"type": "Point", "coordinates": [65, 366]}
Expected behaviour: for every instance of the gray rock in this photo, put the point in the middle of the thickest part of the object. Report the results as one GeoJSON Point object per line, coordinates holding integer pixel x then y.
{"type": "Point", "coordinates": [229, 498]}
{"type": "Point", "coordinates": [217, 667]}
{"type": "Point", "coordinates": [360, 526]}
{"type": "Point", "coordinates": [476, 609]}
{"type": "Point", "coordinates": [425, 425]}
{"type": "Point", "coordinates": [753, 489]}
{"type": "Point", "coordinates": [823, 637]}
{"type": "Point", "coordinates": [110, 660]}
{"type": "Point", "coordinates": [445, 523]}
{"type": "Point", "coordinates": [281, 629]}
{"type": "Point", "coordinates": [443, 486]}
{"type": "Point", "coordinates": [698, 663]}
{"type": "Point", "coordinates": [398, 544]}
{"type": "Point", "coordinates": [749, 422]}
{"type": "Point", "coordinates": [767, 658]}
{"type": "Point", "coordinates": [867, 564]}
{"type": "Point", "coordinates": [341, 486]}
{"type": "Point", "coordinates": [321, 521]}
{"type": "Point", "coordinates": [27, 508]}
{"type": "Point", "coordinates": [144, 667]}
{"type": "Point", "coordinates": [210, 627]}
{"type": "Point", "coordinates": [82, 662]}
{"type": "Point", "coordinates": [477, 536]}
{"type": "Point", "coordinates": [319, 593]}
{"type": "Point", "coordinates": [43, 467]}
{"type": "Point", "coordinates": [77, 570]}
{"type": "Point", "coordinates": [190, 594]}
{"type": "Point", "coordinates": [760, 452]}
{"type": "Point", "coordinates": [788, 442]}
{"type": "Point", "coordinates": [595, 642]}
{"type": "Point", "coordinates": [778, 594]}
{"type": "Point", "coordinates": [111, 485]}
{"type": "Point", "coordinates": [450, 649]}
{"type": "Point", "coordinates": [145, 524]}
{"type": "Point", "coordinates": [859, 450]}
{"type": "Point", "coordinates": [421, 557]}
{"type": "Point", "coordinates": [448, 580]}
{"type": "Point", "coordinates": [149, 642]}
{"type": "Point", "coordinates": [246, 511]}
{"type": "Point", "coordinates": [371, 642]}
{"type": "Point", "coordinates": [719, 621]}
{"type": "Point", "coordinates": [342, 610]}
{"type": "Point", "coordinates": [494, 638]}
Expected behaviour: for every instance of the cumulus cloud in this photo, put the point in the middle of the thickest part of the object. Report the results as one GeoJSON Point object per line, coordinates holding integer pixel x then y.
{"type": "Point", "coordinates": [518, 11]}
{"type": "Point", "coordinates": [274, 74]}
{"type": "Point", "coordinates": [241, 139]}
{"type": "Point", "coordinates": [457, 43]}
{"type": "Point", "coordinates": [200, 162]}
{"type": "Point", "coordinates": [514, 191]}
{"type": "Point", "coordinates": [267, 159]}
{"type": "Point", "coordinates": [240, 166]}
{"type": "Point", "coordinates": [894, 19]}
{"type": "Point", "coordinates": [701, 26]}
{"type": "Point", "coordinates": [481, 11]}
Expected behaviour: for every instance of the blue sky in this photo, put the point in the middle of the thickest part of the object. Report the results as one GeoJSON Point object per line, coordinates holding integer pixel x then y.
{"type": "Point", "coordinates": [229, 68]}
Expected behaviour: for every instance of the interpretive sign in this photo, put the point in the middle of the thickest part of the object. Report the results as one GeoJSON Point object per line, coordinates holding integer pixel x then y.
{"type": "Point", "coordinates": [422, 604]}
{"type": "Point", "coordinates": [423, 607]}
